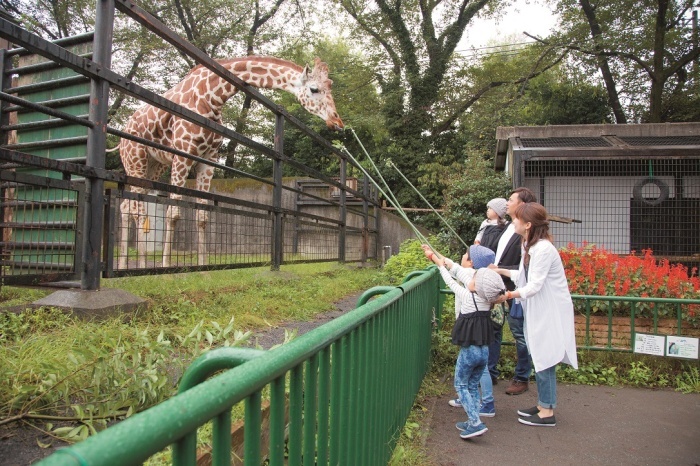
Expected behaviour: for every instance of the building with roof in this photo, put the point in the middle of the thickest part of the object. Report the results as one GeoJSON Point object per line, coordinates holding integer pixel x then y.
{"type": "Point", "coordinates": [621, 187]}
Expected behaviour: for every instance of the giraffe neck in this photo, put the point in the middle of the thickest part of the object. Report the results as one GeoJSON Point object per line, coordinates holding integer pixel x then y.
{"type": "Point", "coordinates": [261, 72]}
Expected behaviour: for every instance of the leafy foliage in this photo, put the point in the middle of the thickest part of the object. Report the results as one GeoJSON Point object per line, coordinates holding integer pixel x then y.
{"type": "Point", "coordinates": [468, 190]}
{"type": "Point", "coordinates": [409, 259]}
{"type": "Point", "coordinates": [644, 51]}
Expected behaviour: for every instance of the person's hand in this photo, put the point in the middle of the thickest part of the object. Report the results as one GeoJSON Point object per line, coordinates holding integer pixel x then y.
{"type": "Point", "coordinates": [501, 299]}
{"type": "Point", "coordinates": [492, 266]}
{"type": "Point", "coordinates": [428, 252]}
{"type": "Point", "coordinates": [448, 263]}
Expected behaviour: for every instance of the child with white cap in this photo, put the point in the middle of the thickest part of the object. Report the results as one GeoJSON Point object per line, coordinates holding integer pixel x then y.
{"type": "Point", "coordinates": [473, 330]}
{"type": "Point", "coordinates": [495, 216]}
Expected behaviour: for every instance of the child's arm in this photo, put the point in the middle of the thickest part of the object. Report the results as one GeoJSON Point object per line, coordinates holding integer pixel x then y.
{"type": "Point", "coordinates": [459, 291]}
{"type": "Point", "coordinates": [463, 274]}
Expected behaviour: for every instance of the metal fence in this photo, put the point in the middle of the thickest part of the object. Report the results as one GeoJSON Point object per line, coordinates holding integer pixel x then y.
{"type": "Point", "coordinates": [339, 394]}
{"type": "Point", "coordinates": [624, 205]}
{"type": "Point", "coordinates": [39, 227]}
{"type": "Point", "coordinates": [611, 323]}
{"type": "Point", "coordinates": [52, 126]}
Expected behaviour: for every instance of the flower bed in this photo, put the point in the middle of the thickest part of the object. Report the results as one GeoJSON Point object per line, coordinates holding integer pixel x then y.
{"type": "Point", "coordinates": [594, 271]}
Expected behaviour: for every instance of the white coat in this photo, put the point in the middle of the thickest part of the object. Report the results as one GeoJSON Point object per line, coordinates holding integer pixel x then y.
{"type": "Point", "coordinates": [547, 308]}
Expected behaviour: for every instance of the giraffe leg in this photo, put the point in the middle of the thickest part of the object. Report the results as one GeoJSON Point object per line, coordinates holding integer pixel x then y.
{"type": "Point", "coordinates": [202, 219]}
{"type": "Point", "coordinates": [142, 229]}
{"type": "Point", "coordinates": [125, 213]}
{"type": "Point", "coordinates": [204, 176]}
{"type": "Point", "coordinates": [172, 215]}
{"type": "Point", "coordinates": [135, 210]}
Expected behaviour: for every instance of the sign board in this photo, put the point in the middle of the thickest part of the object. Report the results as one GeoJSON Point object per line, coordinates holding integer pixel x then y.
{"type": "Point", "coordinates": [649, 344]}
{"type": "Point", "coordinates": [682, 347]}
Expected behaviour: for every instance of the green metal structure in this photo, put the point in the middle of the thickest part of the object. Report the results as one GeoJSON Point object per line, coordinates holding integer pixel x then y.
{"type": "Point", "coordinates": [44, 224]}
{"type": "Point", "coordinates": [339, 394]}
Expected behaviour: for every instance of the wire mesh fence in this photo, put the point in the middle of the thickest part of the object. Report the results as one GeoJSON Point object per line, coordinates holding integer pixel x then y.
{"type": "Point", "coordinates": [623, 205]}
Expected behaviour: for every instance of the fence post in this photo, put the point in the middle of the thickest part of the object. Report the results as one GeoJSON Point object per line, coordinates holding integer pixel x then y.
{"type": "Point", "coordinates": [343, 214]}
{"type": "Point", "coordinates": [96, 145]}
{"type": "Point", "coordinates": [365, 220]}
{"type": "Point", "coordinates": [277, 169]}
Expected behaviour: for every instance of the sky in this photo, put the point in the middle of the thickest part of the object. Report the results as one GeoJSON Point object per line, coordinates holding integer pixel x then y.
{"type": "Point", "coordinates": [523, 15]}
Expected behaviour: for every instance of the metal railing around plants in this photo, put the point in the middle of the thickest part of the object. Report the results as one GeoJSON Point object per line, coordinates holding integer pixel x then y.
{"type": "Point", "coordinates": [611, 322]}
{"type": "Point", "coordinates": [339, 394]}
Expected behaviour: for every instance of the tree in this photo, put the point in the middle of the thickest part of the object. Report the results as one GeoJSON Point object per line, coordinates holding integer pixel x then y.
{"type": "Point", "coordinates": [414, 43]}
{"type": "Point", "coordinates": [53, 19]}
{"type": "Point", "coordinates": [467, 190]}
{"type": "Point", "coordinates": [640, 47]}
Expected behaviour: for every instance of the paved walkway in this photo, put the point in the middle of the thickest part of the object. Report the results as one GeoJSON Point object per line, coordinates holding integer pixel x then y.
{"type": "Point", "coordinates": [595, 426]}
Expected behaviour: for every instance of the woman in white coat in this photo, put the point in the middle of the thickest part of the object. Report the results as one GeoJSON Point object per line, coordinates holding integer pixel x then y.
{"type": "Point", "coordinates": [543, 291]}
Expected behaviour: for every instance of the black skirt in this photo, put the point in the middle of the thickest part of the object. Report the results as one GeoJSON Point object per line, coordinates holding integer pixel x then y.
{"type": "Point", "coordinates": [474, 328]}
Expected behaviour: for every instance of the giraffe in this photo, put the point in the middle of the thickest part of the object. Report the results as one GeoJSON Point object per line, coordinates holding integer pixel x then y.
{"type": "Point", "coordinates": [205, 92]}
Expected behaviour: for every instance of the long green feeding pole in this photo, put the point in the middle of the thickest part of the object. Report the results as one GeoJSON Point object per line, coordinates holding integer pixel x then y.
{"type": "Point", "coordinates": [391, 198]}
{"type": "Point", "coordinates": [428, 203]}
{"type": "Point", "coordinates": [379, 174]}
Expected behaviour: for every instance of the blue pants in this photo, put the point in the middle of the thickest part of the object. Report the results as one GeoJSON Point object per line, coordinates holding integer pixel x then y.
{"type": "Point", "coordinates": [522, 365]}
{"type": "Point", "coordinates": [471, 362]}
{"type": "Point", "coordinates": [547, 387]}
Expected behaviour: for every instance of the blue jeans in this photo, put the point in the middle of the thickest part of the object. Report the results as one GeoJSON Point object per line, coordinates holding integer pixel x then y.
{"type": "Point", "coordinates": [522, 366]}
{"type": "Point", "coordinates": [471, 362]}
{"type": "Point", "coordinates": [495, 353]}
{"type": "Point", "coordinates": [547, 387]}
{"type": "Point", "coordinates": [486, 386]}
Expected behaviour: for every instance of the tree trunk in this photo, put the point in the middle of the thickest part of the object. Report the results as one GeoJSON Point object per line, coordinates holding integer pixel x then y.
{"type": "Point", "coordinates": [657, 77]}
{"type": "Point", "coordinates": [596, 33]}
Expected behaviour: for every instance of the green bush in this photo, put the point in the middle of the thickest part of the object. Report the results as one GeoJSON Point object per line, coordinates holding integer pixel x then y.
{"type": "Point", "coordinates": [409, 259]}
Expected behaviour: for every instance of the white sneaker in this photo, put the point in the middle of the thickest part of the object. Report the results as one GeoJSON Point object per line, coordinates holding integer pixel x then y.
{"type": "Point", "coordinates": [455, 403]}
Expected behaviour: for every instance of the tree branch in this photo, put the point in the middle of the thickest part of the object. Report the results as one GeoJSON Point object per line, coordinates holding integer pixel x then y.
{"type": "Point", "coordinates": [444, 125]}
{"type": "Point", "coordinates": [604, 53]}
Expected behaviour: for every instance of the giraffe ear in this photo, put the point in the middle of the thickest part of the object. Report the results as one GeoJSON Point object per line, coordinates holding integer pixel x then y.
{"type": "Point", "coordinates": [305, 74]}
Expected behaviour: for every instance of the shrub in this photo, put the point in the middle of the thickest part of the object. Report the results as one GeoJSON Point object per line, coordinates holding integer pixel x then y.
{"type": "Point", "coordinates": [409, 259]}
{"type": "Point", "coordinates": [594, 271]}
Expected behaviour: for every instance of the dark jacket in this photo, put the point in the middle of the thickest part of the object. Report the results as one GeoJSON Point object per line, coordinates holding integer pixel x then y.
{"type": "Point", "coordinates": [510, 259]}
{"type": "Point", "coordinates": [491, 235]}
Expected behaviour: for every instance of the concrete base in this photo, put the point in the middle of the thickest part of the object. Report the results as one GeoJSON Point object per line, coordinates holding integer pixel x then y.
{"type": "Point", "coordinates": [99, 304]}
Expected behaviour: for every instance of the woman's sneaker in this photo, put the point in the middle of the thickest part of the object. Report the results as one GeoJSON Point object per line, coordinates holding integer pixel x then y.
{"type": "Point", "coordinates": [473, 431]}
{"type": "Point", "coordinates": [528, 412]}
{"type": "Point", "coordinates": [455, 403]}
{"type": "Point", "coordinates": [538, 421]}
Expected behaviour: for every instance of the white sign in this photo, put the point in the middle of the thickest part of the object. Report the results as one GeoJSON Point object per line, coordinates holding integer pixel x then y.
{"type": "Point", "coordinates": [649, 344]}
{"type": "Point", "coordinates": [682, 347]}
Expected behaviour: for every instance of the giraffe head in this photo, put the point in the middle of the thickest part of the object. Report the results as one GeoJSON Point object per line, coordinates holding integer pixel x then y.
{"type": "Point", "coordinates": [315, 94]}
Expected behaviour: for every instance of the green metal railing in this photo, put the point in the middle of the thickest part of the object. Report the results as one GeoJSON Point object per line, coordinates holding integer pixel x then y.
{"type": "Point", "coordinates": [589, 305]}
{"type": "Point", "coordinates": [668, 307]}
{"type": "Point", "coordinates": [339, 394]}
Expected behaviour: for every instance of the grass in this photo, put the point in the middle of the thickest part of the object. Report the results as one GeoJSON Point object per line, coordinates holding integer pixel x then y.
{"type": "Point", "coordinates": [87, 373]}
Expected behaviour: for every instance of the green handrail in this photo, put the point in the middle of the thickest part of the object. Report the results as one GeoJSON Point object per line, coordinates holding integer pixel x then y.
{"type": "Point", "coordinates": [351, 385]}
